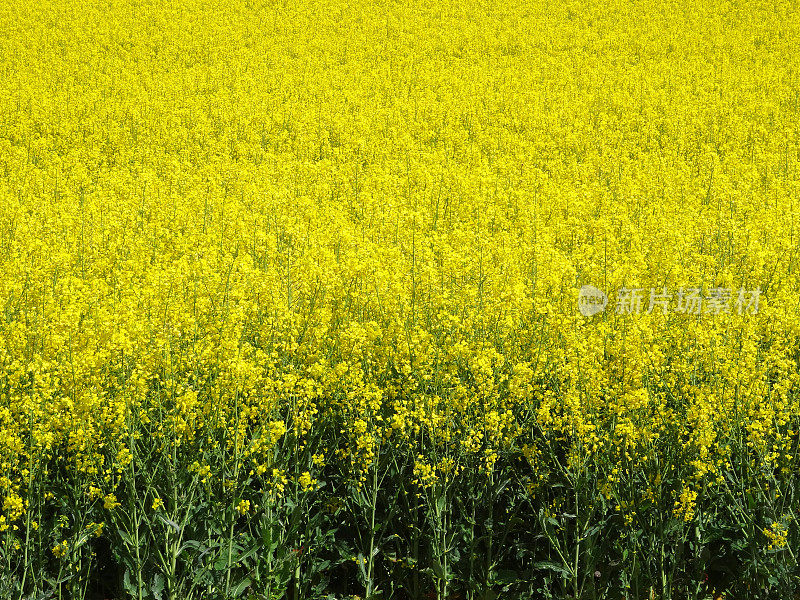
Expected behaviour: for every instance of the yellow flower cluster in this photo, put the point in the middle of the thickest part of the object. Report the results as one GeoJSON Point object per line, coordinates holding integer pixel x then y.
{"type": "Point", "coordinates": [357, 234]}
{"type": "Point", "coordinates": [243, 507]}
{"type": "Point", "coordinates": [59, 550]}
{"type": "Point", "coordinates": [776, 534]}
{"type": "Point", "coordinates": [110, 502]}
{"type": "Point", "coordinates": [307, 482]}
{"type": "Point", "coordinates": [685, 504]}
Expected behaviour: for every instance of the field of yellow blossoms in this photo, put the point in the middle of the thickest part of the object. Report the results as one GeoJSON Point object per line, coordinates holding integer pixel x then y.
{"type": "Point", "coordinates": [290, 299]}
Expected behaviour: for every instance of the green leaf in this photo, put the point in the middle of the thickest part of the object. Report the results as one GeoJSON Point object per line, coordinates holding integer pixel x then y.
{"type": "Point", "coordinates": [247, 554]}
{"type": "Point", "coordinates": [437, 569]}
{"type": "Point", "coordinates": [440, 501]}
{"type": "Point", "coordinates": [158, 586]}
{"type": "Point", "coordinates": [551, 566]}
{"type": "Point", "coordinates": [221, 564]}
{"type": "Point", "coordinates": [126, 538]}
{"type": "Point", "coordinates": [240, 588]}
{"type": "Point", "coordinates": [170, 522]}
{"type": "Point", "coordinates": [506, 576]}
{"type": "Point", "coordinates": [127, 584]}
{"type": "Point", "coordinates": [190, 544]}
{"type": "Point", "coordinates": [590, 532]}
{"type": "Point", "coordinates": [362, 565]}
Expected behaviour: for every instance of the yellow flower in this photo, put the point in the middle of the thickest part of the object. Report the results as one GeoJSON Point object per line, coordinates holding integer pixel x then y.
{"type": "Point", "coordinates": [243, 506]}
{"type": "Point", "coordinates": [60, 550]}
{"type": "Point", "coordinates": [306, 481]}
{"type": "Point", "coordinates": [110, 502]}
{"type": "Point", "coordinates": [685, 505]}
{"type": "Point", "coordinates": [776, 534]}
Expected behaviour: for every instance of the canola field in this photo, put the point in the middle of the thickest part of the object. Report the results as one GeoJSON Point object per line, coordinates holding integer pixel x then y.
{"type": "Point", "coordinates": [291, 299]}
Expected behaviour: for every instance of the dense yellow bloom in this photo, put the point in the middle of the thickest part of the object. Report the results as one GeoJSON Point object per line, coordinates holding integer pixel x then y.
{"type": "Point", "coordinates": [425, 474]}
{"type": "Point", "coordinates": [776, 534]}
{"type": "Point", "coordinates": [59, 550]}
{"type": "Point", "coordinates": [279, 481]}
{"type": "Point", "coordinates": [306, 481]}
{"type": "Point", "coordinates": [110, 502]}
{"type": "Point", "coordinates": [685, 504]}
{"type": "Point", "coordinates": [13, 507]}
{"type": "Point", "coordinates": [293, 242]}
